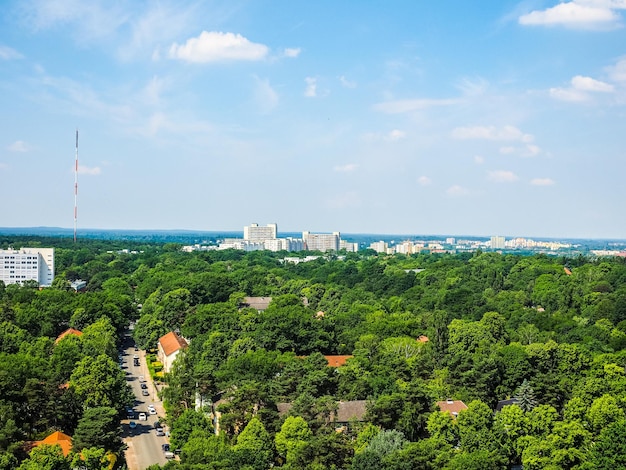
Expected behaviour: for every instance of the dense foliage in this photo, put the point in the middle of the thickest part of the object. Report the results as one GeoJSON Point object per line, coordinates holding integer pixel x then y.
{"type": "Point", "coordinates": [549, 332]}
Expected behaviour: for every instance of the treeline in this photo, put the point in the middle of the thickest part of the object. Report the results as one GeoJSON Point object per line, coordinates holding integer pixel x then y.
{"type": "Point", "coordinates": [549, 332]}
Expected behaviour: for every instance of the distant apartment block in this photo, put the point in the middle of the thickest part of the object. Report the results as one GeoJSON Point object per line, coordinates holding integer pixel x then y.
{"type": "Point", "coordinates": [256, 232]}
{"type": "Point", "coordinates": [27, 264]}
{"type": "Point", "coordinates": [321, 241]}
{"type": "Point", "coordinates": [348, 246]}
{"type": "Point", "coordinates": [497, 243]}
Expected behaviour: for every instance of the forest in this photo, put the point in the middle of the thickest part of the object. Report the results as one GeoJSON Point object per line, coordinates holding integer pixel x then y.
{"type": "Point", "coordinates": [547, 334]}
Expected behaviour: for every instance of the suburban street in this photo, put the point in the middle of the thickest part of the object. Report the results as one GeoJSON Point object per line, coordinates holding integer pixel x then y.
{"type": "Point", "coordinates": [144, 446]}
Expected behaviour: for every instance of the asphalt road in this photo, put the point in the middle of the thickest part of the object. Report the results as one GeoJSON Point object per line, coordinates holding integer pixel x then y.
{"type": "Point", "coordinates": [144, 446]}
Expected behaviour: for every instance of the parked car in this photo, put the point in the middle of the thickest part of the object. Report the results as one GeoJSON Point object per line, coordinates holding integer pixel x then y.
{"type": "Point", "coordinates": [142, 379]}
{"type": "Point", "coordinates": [159, 432]}
{"type": "Point", "coordinates": [144, 386]}
{"type": "Point", "coordinates": [157, 424]}
{"type": "Point", "coordinates": [165, 447]}
{"type": "Point", "coordinates": [145, 392]}
{"type": "Point", "coordinates": [132, 425]}
{"type": "Point", "coordinates": [169, 455]}
{"type": "Point", "coordinates": [143, 417]}
{"type": "Point", "coordinates": [152, 409]}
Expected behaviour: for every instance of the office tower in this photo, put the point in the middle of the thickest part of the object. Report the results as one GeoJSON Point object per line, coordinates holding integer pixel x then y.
{"type": "Point", "coordinates": [27, 264]}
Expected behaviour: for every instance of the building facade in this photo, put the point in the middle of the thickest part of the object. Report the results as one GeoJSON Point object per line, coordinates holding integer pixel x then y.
{"type": "Point", "coordinates": [321, 241]}
{"type": "Point", "coordinates": [255, 232]}
{"type": "Point", "coordinates": [27, 264]}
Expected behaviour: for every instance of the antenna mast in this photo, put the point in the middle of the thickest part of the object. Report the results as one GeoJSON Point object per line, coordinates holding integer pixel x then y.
{"type": "Point", "coordinates": [76, 187]}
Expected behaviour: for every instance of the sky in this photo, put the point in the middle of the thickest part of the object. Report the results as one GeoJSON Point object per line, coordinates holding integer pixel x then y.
{"type": "Point", "coordinates": [403, 117]}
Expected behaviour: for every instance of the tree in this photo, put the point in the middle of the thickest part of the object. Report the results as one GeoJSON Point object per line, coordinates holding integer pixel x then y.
{"type": "Point", "coordinates": [609, 451]}
{"type": "Point", "coordinates": [99, 427]}
{"type": "Point", "coordinates": [190, 421]}
{"type": "Point", "coordinates": [100, 338]}
{"type": "Point", "coordinates": [46, 458]}
{"type": "Point", "coordinates": [525, 396]}
{"type": "Point", "coordinates": [100, 382]}
{"type": "Point", "coordinates": [255, 445]}
{"type": "Point", "coordinates": [293, 441]}
{"type": "Point", "coordinates": [92, 459]}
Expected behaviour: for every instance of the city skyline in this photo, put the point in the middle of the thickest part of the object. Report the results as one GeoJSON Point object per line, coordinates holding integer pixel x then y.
{"type": "Point", "coordinates": [436, 118]}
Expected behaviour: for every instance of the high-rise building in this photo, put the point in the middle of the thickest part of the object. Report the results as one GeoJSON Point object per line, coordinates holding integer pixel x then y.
{"type": "Point", "coordinates": [497, 243]}
{"type": "Point", "coordinates": [255, 232]}
{"type": "Point", "coordinates": [321, 241]}
{"type": "Point", "coordinates": [27, 264]}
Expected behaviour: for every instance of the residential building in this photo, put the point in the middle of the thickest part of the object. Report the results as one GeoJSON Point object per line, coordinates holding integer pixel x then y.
{"type": "Point", "coordinates": [168, 347]}
{"type": "Point", "coordinates": [497, 243]}
{"type": "Point", "coordinates": [380, 247]}
{"type": "Point", "coordinates": [255, 232]}
{"type": "Point", "coordinates": [258, 303]}
{"type": "Point", "coordinates": [57, 438]}
{"type": "Point", "coordinates": [321, 241]}
{"type": "Point", "coordinates": [348, 246]}
{"type": "Point", "coordinates": [454, 407]}
{"type": "Point", "coordinates": [69, 331]}
{"type": "Point", "coordinates": [27, 264]}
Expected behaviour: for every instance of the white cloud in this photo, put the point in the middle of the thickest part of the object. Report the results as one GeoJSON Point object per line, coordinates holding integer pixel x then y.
{"type": "Point", "coordinates": [502, 176]}
{"type": "Point", "coordinates": [479, 160]}
{"type": "Point", "coordinates": [542, 182]}
{"type": "Point", "coordinates": [473, 87]}
{"type": "Point", "coordinates": [396, 135]}
{"type": "Point", "coordinates": [19, 146]}
{"type": "Point", "coordinates": [85, 170]}
{"type": "Point", "coordinates": [347, 168]}
{"type": "Point", "coordinates": [577, 14]}
{"type": "Point", "coordinates": [292, 52]}
{"type": "Point", "coordinates": [347, 83]}
{"type": "Point", "coordinates": [216, 46]}
{"type": "Point", "coordinates": [405, 106]}
{"type": "Point", "coordinates": [265, 96]}
{"type": "Point", "coordinates": [6, 53]}
{"type": "Point", "coordinates": [456, 190]}
{"type": "Point", "coordinates": [491, 133]}
{"type": "Point", "coordinates": [311, 87]}
{"type": "Point", "coordinates": [424, 181]}
{"type": "Point", "coordinates": [580, 89]}
{"type": "Point", "coordinates": [617, 72]}
{"type": "Point", "coordinates": [590, 84]}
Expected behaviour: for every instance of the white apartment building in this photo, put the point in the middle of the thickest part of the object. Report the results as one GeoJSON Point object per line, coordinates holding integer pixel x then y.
{"type": "Point", "coordinates": [255, 232]}
{"type": "Point", "coordinates": [27, 264]}
{"type": "Point", "coordinates": [497, 243]}
{"type": "Point", "coordinates": [321, 241]}
{"type": "Point", "coordinates": [380, 247]}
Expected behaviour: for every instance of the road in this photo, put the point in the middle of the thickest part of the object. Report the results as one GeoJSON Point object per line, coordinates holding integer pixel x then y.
{"type": "Point", "coordinates": [144, 446]}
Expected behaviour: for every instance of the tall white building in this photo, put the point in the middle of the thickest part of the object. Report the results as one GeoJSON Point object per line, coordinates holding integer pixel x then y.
{"type": "Point", "coordinates": [321, 241]}
{"type": "Point", "coordinates": [497, 243]}
{"type": "Point", "coordinates": [255, 232]}
{"type": "Point", "coordinates": [27, 264]}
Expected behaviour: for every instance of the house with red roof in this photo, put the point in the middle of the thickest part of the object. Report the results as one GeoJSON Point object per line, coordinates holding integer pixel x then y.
{"type": "Point", "coordinates": [69, 331]}
{"type": "Point", "coordinates": [168, 347]}
{"type": "Point", "coordinates": [454, 407]}
{"type": "Point", "coordinates": [57, 438]}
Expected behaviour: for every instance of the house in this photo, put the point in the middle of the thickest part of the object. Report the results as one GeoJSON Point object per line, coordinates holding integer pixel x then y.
{"type": "Point", "coordinates": [168, 347]}
{"type": "Point", "coordinates": [78, 285]}
{"type": "Point", "coordinates": [69, 331]}
{"type": "Point", "coordinates": [502, 403]}
{"type": "Point", "coordinates": [258, 303]}
{"type": "Point", "coordinates": [452, 406]}
{"type": "Point", "coordinates": [347, 412]}
{"type": "Point", "coordinates": [423, 339]}
{"type": "Point", "coordinates": [337, 361]}
{"type": "Point", "coordinates": [57, 438]}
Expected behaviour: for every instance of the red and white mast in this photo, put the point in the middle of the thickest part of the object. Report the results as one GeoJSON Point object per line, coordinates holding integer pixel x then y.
{"type": "Point", "coordinates": [76, 188]}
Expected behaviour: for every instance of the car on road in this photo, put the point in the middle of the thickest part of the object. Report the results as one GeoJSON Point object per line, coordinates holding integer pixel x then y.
{"type": "Point", "coordinates": [145, 392]}
{"type": "Point", "coordinates": [165, 447]}
{"type": "Point", "coordinates": [169, 455]}
{"type": "Point", "coordinates": [152, 409]}
{"type": "Point", "coordinates": [159, 432]}
{"type": "Point", "coordinates": [142, 379]}
{"type": "Point", "coordinates": [135, 362]}
{"type": "Point", "coordinates": [144, 386]}
{"type": "Point", "coordinates": [143, 417]}
{"type": "Point", "coordinates": [132, 425]}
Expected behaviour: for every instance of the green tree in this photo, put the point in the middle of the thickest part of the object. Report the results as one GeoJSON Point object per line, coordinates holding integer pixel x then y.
{"type": "Point", "coordinates": [99, 427]}
{"type": "Point", "coordinates": [293, 442]}
{"type": "Point", "coordinates": [100, 382]}
{"type": "Point", "coordinates": [525, 396]}
{"type": "Point", "coordinates": [46, 458]}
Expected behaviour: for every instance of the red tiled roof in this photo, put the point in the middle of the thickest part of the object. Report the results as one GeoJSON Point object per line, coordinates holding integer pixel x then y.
{"type": "Point", "coordinates": [567, 270]}
{"type": "Point", "coordinates": [337, 361]}
{"type": "Point", "coordinates": [423, 339]}
{"type": "Point", "coordinates": [69, 331]}
{"type": "Point", "coordinates": [172, 342]}
{"type": "Point", "coordinates": [59, 438]}
{"type": "Point", "coordinates": [452, 406]}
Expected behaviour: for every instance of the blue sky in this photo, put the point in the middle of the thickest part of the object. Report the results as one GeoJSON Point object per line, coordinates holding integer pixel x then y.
{"type": "Point", "coordinates": [355, 116]}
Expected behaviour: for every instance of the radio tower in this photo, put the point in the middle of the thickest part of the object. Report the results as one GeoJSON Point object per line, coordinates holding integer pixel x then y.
{"type": "Point", "coordinates": [76, 187]}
